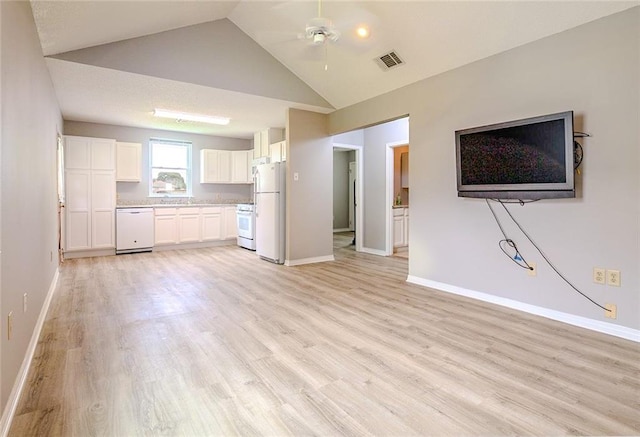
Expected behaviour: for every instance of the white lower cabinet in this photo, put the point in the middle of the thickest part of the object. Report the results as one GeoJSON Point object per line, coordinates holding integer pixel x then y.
{"type": "Point", "coordinates": [211, 219]}
{"type": "Point", "coordinates": [230, 222]}
{"type": "Point", "coordinates": [194, 224]}
{"type": "Point", "coordinates": [400, 227]}
{"type": "Point", "coordinates": [166, 226]}
{"type": "Point", "coordinates": [189, 225]}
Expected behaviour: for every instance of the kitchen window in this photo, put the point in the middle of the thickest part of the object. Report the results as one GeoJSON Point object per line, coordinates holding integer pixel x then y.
{"type": "Point", "coordinates": [170, 168]}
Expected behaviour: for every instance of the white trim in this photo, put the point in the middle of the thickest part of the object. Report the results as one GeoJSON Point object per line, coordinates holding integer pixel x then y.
{"type": "Point", "coordinates": [316, 259]}
{"type": "Point", "coordinates": [389, 199]}
{"type": "Point", "coordinates": [359, 232]}
{"type": "Point", "coordinates": [341, 230]}
{"type": "Point", "coordinates": [571, 319]}
{"type": "Point", "coordinates": [374, 251]}
{"type": "Point", "coordinates": [14, 396]}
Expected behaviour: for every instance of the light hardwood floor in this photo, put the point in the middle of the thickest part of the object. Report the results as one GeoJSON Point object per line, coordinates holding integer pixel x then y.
{"type": "Point", "coordinates": [216, 342]}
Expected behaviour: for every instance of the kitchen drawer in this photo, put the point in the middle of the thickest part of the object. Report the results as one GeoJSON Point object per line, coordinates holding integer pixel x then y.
{"type": "Point", "coordinates": [165, 211]}
{"type": "Point", "coordinates": [211, 210]}
{"type": "Point", "coordinates": [189, 211]}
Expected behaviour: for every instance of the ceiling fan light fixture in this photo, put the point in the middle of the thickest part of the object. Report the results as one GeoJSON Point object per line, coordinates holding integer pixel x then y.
{"type": "Point", "coordinates": [363, 32]}
{"type": "Point", "coordinates": [184, 116]}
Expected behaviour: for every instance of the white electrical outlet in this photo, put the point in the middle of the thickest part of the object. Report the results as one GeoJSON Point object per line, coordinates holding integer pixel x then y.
{"type": "Point", "coordinates": [598, 275]}
{"type": "Point", "coordinates": [613, 278]}
{"type": "Point", "coordinates": [24, 303]}
{"type": "Point", "coordinates": [533, 271]}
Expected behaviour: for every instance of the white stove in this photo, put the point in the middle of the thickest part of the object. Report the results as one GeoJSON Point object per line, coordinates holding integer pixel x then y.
{"type": "Point", "coordinates": [246, 215]}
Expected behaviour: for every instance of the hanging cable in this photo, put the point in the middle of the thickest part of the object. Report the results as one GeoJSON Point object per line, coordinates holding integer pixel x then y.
{"type": "Point", "coordinates": [506, 241]}
{"type": "Point", "coordinates": [545, 257]}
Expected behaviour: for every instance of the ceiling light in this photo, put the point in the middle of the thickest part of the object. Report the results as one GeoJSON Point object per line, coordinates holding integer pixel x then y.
{"type": "Point", "coordinates": [183, 116]}
{"type": "Point", "coordinates": [362, 31]}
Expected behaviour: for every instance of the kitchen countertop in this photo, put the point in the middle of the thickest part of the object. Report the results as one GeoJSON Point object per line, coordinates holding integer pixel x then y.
{"type": "Point", "coordinates": [174, 205]}
{"type": "Point", "coordinates": [400, 206]}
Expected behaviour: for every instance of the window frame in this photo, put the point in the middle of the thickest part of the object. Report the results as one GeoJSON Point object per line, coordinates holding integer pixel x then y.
{"type": "Point", "coordinates": [188, 145]}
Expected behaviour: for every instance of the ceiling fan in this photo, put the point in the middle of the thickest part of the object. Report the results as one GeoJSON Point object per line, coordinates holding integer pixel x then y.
{"type": "Point", "coordinates": [319, 30]}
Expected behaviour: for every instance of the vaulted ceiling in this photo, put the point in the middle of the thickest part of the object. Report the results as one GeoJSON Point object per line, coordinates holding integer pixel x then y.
{"type": "Point", "coordinates": [113, 62]}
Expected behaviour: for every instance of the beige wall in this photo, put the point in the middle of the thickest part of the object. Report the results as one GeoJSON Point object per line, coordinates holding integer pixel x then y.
{"type": "Point", "coordinates": [592, 70]}
{"type": "Point", "coordinates": [310, 198]}
{"type": "Point", "coordinates": [31, 121]}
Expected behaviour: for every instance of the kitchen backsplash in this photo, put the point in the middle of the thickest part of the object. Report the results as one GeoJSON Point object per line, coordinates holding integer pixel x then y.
{"type": "Point", "coordinates": [179, 201]}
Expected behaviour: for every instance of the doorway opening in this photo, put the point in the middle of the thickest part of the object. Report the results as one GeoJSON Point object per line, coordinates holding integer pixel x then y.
{"type": "Point", "coordinates": [347, 195]}
{"type": "Point", "coordinates": [397, 198]}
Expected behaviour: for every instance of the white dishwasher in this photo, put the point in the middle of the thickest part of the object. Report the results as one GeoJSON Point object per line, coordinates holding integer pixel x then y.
{"type": "Point", "coordinates": [134, 230]}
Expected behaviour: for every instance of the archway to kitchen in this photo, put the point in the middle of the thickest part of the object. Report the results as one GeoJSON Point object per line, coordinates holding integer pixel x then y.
{"type": "Point", "coordinates": [347, 192]}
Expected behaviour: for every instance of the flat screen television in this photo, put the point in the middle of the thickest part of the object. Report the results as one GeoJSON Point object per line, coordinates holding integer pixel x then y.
{"type": "Point", "coordinates": [526, 159]}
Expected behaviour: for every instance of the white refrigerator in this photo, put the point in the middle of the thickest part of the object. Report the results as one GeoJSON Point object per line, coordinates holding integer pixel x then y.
{"type": "Point", "coordinates": [270, 211]}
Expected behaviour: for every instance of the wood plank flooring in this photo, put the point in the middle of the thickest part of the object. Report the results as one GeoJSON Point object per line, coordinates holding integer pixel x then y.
{"type": "Point", "coordinates": [217, 342]}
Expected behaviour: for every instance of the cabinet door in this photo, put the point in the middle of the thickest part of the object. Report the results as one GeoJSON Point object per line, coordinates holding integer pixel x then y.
{"type": "Point", "coordinates": [276, 152]}
{"type": "Point", "coordinates": [230, 223]}
{"type": "Point", "coordinates": [103, 154]}
{"type": "Point", "coordinates": [224, 166]}
{"type": "Point", "coordinates": [103, 233]}
{"type": "Point", "coordinates": [398, 231]}
{"type": "Point", "coordinates": [103, 199]}
{"type": "Point", "coordinates": [166, 231]}
{"type": "Point", "coordinates": [188, 225]}
{"type": "Point", "coordinates": [404, 170]}
{"type": "Point", "coordinates": [77, 153]}
{"type": "Point", "coordinates": [208, 166]}
{"type": "Point", "coordinates": [128, 162]}
{"type": "Point", "coordinates": [240, 167]}
{"type": "Point", "coordinates": [264, 143]}
{"type": "Point", "coordinates": [77, 208]}
{"type": "Point", "coordinates": [257, 144]}
{"type": "Point", "coordinates": [406, 226]}
{"type": "Point", "coordinates": [211, 224]}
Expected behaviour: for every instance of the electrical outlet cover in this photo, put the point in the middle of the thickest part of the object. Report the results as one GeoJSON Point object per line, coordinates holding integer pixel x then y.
{"type": "Point", "coordinates": [613, 278]}
{"type": "Point", "coordinates": [599, 275]}
{"type": "Point", "coordinates": [613, 311]}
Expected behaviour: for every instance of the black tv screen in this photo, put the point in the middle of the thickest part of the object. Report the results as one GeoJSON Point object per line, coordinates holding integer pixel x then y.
{"type": "Point", "coordinates": [525, 159]}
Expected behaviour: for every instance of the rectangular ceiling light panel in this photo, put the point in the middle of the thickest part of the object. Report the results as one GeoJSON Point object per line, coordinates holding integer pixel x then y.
{"type": "Point", "coordinates": [183, 116]}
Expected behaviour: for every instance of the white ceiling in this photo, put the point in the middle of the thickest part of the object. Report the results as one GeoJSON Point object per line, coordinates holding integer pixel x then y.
{"type": "Point", "coordinates": [431, 37]}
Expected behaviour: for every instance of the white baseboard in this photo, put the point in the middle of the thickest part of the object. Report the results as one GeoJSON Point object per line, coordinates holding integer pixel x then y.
{"type": "Point", "coordinates": [14, 396]}
{"type": "Point", "coordinates": [317, 259]}
{"type": "Point", "coordinates": [571, 319]}
{"type": "Point", "coordinates": [374, 251]}
{"type": "Point", "coordinates": [342, 230]}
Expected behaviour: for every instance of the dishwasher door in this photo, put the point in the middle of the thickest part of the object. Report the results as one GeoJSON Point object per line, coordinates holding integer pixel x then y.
{"type": "Point", "coordinates": [134, 230]}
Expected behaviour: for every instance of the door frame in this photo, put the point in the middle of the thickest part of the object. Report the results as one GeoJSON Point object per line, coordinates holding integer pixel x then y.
{"type": "Point", "coordinates": [389, 197]}
{"type": "Point", "coordinates": [359, 232]}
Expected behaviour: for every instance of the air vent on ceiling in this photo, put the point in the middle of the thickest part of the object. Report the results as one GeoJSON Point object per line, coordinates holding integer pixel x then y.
{"type": "Point", "coordinates": [389, 60]}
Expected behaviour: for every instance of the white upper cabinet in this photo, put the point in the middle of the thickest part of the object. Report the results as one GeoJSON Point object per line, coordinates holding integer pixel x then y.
{"type": "Point", "coordinates": [241, 166]}
{"type": "Point", "coordinates": [225, 166]}
{"type": "Point", "coordinates": [128, 162]}
{"type": "Point", "coordinates": [279, 151]}
{"type": "Point", "coordinates": [263, 139]}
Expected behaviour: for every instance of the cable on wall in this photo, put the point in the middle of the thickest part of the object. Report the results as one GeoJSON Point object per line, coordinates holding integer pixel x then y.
{"type": "Point", "coordinates": [547, 260]}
